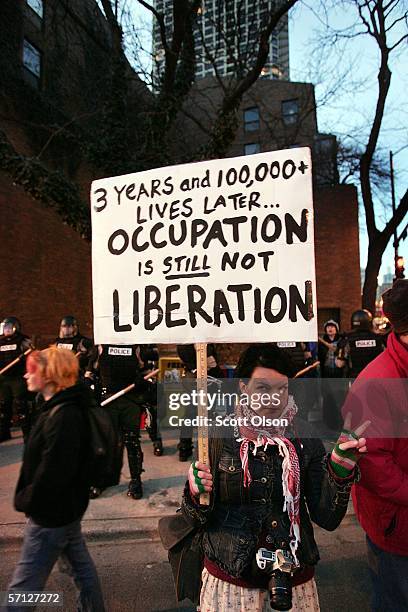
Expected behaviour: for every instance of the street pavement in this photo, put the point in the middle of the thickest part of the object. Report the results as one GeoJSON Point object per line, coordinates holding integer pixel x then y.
{"type": "Point", "coordinates": [132, 565]}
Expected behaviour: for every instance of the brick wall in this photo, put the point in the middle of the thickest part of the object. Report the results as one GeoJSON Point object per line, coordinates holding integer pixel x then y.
{"type": "Point", "coordinates": [45, 267]}
{"type": "Point", "coordinates": [337, 251]}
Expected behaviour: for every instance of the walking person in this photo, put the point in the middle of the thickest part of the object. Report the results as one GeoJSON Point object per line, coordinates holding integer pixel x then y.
{"type": "Point", "coordinates": [53, 487]}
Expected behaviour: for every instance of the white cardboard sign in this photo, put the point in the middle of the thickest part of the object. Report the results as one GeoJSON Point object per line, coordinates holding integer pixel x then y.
{"type": "Point", "coordinates": [214, 251]}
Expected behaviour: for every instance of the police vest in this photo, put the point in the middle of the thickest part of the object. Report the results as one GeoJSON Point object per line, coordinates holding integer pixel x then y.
{"type": "Point", "coordinates": [364, 346]}
{"type": "Point", "coordinates": [12, 347]}
{"type": "Point", "coordinates": [295, 352]}
{"type": "Point", "coordinates": [76, 344]}
{"type": "Point", "coordinates": [118, 366]}
{"type": "Point", "coordinates": [70, 344]}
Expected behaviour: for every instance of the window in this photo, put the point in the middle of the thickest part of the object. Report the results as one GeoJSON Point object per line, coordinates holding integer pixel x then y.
{"type": "Point", "coordinates": [251, 119]}
{"type": "Point", "coordinates": [37, 6]}
{"type": "Point", "coordinates": [290, 111]}
{"type": "Point", "coordinates": [32, 59]}
{"type": "Point", "coordinates": [324, 145]}
{"type": "Point", "coordinates": [251, 148]}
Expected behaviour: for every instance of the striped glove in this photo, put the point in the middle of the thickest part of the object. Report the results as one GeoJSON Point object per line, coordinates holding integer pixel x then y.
{"type": "Point", "coordinates": [199, 478]}
{"type": "Point", "coordinates": [349, 449]}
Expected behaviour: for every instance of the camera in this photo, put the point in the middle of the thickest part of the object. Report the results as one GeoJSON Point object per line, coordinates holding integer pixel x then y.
{"type": "Point", "coordinates": [279, 565]}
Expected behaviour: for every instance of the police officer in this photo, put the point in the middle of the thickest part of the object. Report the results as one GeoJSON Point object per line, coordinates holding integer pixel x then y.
{"type": "Point", "coordinates": [361, 346]}
{"type": "Point", "coordinates": [13, 345]}
{"type": "Point", "coordinates": [119, 367]}
{"type": "Point", "coordinates": [304, 389]}
{"type": "Point", "coordinates": [70, 338]}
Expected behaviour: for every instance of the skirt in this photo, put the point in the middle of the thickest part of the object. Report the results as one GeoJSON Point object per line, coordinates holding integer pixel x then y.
{"type": "Point", "coordinates": [220, 596]}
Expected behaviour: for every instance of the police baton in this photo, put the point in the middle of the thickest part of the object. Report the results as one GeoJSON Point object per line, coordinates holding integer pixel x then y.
{"type": "Point", "coordinates": [16, 360]}
{"type": "Point", "coordinates": [115, 396]}
{"type": "Point", "coordinates": [305, 370]}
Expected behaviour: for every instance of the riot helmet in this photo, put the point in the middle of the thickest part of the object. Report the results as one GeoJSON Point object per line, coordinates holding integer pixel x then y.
{"type": "Point", "coordinates": [361, 319]}
{"type": "Point", "coordinates": [68, 327]}
{"type": "Point", "coordinates": [10, 326]}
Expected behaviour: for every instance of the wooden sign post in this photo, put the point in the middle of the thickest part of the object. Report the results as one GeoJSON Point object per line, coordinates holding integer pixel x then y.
{"type": "Point", "coordinates": [203, 446]}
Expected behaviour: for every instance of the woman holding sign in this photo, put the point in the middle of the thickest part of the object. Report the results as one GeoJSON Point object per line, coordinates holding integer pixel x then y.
{"type": "Point", "coordinates": [269, 478]}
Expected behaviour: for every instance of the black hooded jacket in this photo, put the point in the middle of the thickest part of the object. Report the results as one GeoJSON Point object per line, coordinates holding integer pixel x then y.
{"type": "Point", "coordinates": [53, 488]}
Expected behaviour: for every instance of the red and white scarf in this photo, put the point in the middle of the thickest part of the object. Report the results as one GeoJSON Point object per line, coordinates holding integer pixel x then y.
{"type": "Point", "coordinates": [290, 464]}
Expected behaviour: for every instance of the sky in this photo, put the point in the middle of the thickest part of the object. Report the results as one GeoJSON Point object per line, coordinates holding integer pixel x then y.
{"type": "Point", "coordinates": [350, 76]}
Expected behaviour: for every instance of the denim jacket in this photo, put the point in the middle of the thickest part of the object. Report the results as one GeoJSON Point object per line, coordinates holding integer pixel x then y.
{"type": "Point", "coordinates": [239, 518]}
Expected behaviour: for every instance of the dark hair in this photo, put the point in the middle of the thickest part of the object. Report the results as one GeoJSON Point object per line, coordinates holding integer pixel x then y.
{"type": "Point", "coordinates": [264, 356]}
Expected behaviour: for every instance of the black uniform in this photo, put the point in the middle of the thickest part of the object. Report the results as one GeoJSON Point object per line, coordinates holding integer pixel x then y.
{"type": "Point", "coordinates": [150, 362]}
{"type": "Point", "coordinates": [296, 351]}
{"type": "Point", "coordinates": [361, 347]}
{"type": "Point", "coordinates": [304, 389]}
{"type": "Point", "coordinates": [12, 384]}
{"type": "Point", "coordinates": [80, 345]}
{"type": "Point", "coordinates": [120, 366]}
{"type": "Point", "coordinates": [333, 388]}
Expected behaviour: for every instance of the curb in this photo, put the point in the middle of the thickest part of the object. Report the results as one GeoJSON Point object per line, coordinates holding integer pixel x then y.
{"type": "Point", "coordinates": [96, 530]}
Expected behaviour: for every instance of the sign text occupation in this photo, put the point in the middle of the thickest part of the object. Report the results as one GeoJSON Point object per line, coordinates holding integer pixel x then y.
{"type": "Point", "coordinates": [217, 251]}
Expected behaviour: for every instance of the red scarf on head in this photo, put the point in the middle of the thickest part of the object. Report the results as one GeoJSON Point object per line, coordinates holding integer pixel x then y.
{"type": "Point", "coordinates": [290, 464]}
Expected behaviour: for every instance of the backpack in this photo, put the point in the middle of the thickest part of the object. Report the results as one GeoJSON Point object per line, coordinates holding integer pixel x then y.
{"type": "Point", "coordinates": [106, 448]}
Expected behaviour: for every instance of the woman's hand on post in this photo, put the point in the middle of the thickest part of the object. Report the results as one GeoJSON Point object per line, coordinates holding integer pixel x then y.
{"type": "Point", "coordinates": [199, 478]}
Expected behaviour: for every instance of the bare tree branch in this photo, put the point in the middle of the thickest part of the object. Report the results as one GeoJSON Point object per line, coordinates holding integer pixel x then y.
{"type": "Point", "coordinates": [231, 101]}
{"type": "Point", "coordinates": [160, 20]}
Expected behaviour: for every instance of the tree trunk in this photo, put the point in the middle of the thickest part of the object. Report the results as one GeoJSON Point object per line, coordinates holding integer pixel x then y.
{"type": "Point", "coordinates": [375, 253]}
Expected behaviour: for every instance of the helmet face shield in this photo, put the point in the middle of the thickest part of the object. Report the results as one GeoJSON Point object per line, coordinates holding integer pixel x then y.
{"type": "Point", "coordinates": [10, 326]}
{"type": "Point", "coordinates": [9, 329]}
{"type": "Point", "coordinates": [361, 319]}
{"type": "Point", "coordinates": [68, 327]}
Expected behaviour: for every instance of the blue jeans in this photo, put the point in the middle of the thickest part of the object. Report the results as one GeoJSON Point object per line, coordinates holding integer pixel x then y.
{"type": "Point", "coordinates": [389, 577]}
{"type": "Point", "coordinates": [41, 548]}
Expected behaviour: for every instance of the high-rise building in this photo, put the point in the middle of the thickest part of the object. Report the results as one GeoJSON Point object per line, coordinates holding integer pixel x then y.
{"type": "Point", "coordinates": [226, 37]}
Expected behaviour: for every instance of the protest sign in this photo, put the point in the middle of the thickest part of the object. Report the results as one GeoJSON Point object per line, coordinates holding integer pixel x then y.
{"type": "Point", "coordinates": [214, 251]}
